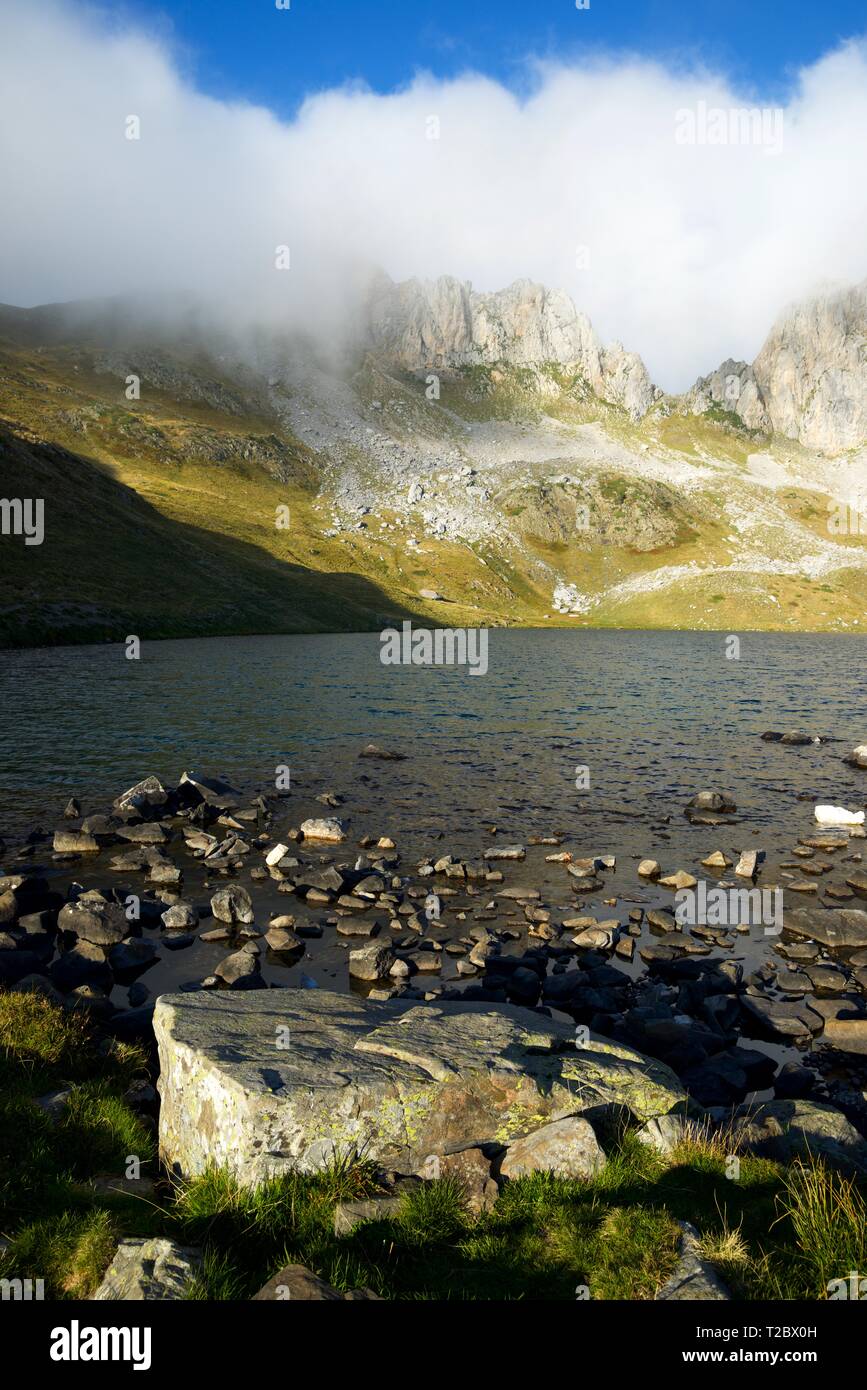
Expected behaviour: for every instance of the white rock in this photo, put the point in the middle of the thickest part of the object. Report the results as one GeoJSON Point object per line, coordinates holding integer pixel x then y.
{"type": "Point", "coordinates": [838, 815]}
{"type": "Point", "coordinates": [275, 855]}
{"type": "Point", "coordinates": [323, 828]}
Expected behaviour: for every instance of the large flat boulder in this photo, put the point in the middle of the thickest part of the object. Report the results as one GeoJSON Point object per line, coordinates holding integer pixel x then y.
{"type": "Point", "coordinates": [838, 929]}
{"type": "Point", "coordinates": [289, 1079]}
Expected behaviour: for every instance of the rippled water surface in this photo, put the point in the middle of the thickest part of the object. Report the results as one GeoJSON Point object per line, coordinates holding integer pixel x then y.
{"type": "Point", "coordinates": [654, 716]}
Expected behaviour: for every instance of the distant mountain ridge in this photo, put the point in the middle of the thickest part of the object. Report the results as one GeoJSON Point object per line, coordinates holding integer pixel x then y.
{"type": "Point", "coordinates": [425, 324]}
{"type": "Point", "coordinates": [808, 383]}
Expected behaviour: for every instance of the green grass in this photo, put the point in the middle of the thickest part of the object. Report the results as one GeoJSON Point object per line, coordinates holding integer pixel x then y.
{"type": "Point", "coordinates": [160, 513]}
{"type": "Point", "coordinates": [59, 1228]}
{"type": "Point", "coordinates": [776, 1232]}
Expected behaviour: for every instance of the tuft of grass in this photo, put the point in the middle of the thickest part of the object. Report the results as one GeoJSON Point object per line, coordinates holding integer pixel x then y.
{"type": "Point", "coordinates": [433, 1214]}
{"type": "Point", "coordinates": [97, 1131]}
{"type": "Point", "coordinates": [772, 1231]}
{"type": "Point", "coordinates": [59, 1229]}
{"type": "Point", "coordinates": [69, 1251]}
{"type": "Point", "coordinates": [43, 1046]}
{"type": "Point", "coordinates": [828, 1213]}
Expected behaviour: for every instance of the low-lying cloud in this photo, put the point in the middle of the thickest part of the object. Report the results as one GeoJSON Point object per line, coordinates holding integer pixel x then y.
{"type": "Point", "coordinates": [679, 223]}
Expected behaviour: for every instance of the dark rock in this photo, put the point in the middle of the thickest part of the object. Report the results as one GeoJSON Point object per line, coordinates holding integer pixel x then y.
{"type": "Point", "coordinates": [132, 956]}
{"type": "Point", "coordinates": [295, 1283]}
{"type": "Point", "coordinates": [787, 1129]}
{"type": "Point", "coordinates": [776, 1018]}
{"type": "Point", "coordinates": [94, 920]}
{"type": "Point", "coordinates": [793, 1082]}
{"type": "Point", "coordinates": [16, 964]}
{"type": "Point", "coordinates": [694, 1279]}
{"type": "Point", "coordinates": [133, 1025]}
{"type": "Point", "coordinates": [83, 964]}
{"type": "Point", "coordinates": [37, 984]}
{"type": "Point", "coordinates": [232, 904]}
{"type": "Point", "coordinates": [194, 791]}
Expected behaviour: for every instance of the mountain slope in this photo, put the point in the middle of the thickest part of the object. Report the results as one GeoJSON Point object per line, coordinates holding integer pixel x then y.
{"type": "Point", "coordinates": [525, 489]}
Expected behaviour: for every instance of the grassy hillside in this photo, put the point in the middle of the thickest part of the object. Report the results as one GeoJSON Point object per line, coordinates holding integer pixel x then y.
{"type": "Point", "coordinates": [199, 509]}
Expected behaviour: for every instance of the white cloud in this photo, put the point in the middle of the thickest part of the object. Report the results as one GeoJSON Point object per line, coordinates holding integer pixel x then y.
{"type": "Point", "coordinates": [693, 250]}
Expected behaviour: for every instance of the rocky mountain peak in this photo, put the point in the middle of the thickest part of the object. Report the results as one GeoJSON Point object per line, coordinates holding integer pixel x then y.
{"type": "Point", "coordinates": [446, 324]}
{"type": "Point", "coordinates": [809, 381]}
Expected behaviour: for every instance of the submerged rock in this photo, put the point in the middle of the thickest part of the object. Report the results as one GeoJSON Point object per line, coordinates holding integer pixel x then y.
{"type": "Point", "coordinates": [712, 801]}
{"type": "Point", "coordinates": [373, 750]}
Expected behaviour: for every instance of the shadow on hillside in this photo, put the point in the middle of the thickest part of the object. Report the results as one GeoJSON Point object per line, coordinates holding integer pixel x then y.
{"type": "Point", "coordinates": [111, 564]}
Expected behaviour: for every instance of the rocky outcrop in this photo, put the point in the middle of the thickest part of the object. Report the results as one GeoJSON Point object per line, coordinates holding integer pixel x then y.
{"type": "Point", "coordinates": [288, 1080]}
{"type": "Point", "coordinates": [429, 324]}
{"type": "Point", "coordinates": [694, 1279]}
{"type": "Point", "coordinates": [732, 387]}
{"type": "Point", "coordinates": [149, 1269]}
{"type": "Point", "coordinates": [812, 372]}
{"type": "Point", "coordinates": [808, 383]}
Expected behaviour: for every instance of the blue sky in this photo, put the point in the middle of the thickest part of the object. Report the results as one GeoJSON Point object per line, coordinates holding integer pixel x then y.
{"type": "Point", "coordinates": [685, 252]}
{"type": "Point", "coordinates": [248, 49]}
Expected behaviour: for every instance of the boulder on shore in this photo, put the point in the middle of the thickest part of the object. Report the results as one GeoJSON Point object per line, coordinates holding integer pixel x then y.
{"type": "Point", "coordinates": [788, 1129]}
{"type": "Point", "coordinates": [149, 1269]}
{"type": "Point", "coordinates": [397, 1080]}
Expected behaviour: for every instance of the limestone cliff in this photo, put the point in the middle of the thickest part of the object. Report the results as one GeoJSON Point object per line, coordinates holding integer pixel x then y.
{"type": "Point", "coordinates": [809, 382]}
{"type": "Point", "coordinates": [429, 324]}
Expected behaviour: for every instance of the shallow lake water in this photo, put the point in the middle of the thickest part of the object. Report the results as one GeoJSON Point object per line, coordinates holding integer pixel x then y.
{"type": "Point", "coordinates": [653, 717]}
